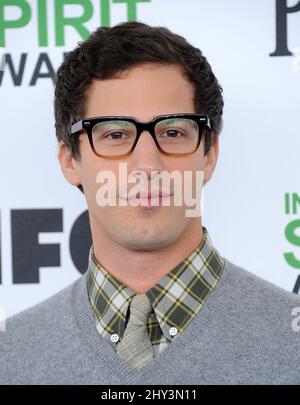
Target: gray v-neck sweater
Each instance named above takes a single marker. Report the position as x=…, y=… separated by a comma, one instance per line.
x=242, y=335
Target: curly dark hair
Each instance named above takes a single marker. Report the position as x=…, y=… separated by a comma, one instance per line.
x=111, y=50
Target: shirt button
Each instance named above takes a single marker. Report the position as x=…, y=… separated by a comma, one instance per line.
x=173, y=331
x=114, y=337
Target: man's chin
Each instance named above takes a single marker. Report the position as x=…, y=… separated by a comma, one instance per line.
x=153, y=237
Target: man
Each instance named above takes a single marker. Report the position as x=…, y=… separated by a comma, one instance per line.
x=158, y=303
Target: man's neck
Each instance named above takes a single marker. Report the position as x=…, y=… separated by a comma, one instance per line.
x=141, y=270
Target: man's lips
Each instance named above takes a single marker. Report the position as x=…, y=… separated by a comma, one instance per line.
x=145, y=195
x=149, y=196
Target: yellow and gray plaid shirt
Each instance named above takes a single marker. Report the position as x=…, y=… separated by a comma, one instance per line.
x=176, y=299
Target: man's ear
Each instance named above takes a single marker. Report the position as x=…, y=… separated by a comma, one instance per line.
x=211, y=159
x=68, y=164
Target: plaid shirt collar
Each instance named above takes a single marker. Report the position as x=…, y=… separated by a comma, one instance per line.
x=176, y=298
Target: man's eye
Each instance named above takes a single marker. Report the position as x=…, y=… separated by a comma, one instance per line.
x=172, y=133
x=115, y=135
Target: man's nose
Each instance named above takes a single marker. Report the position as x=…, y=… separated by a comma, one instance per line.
x=146, y=155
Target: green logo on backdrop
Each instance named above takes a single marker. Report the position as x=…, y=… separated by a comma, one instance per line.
x=60, y=19
x=292, y=206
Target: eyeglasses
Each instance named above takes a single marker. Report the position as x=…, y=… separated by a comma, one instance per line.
x=116, y=136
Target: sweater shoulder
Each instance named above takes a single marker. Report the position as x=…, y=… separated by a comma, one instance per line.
x=262, y=311
x=36, y=333
x=47, y=311
x=255, y=288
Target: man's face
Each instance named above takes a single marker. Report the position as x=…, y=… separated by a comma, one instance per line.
x=143, y=92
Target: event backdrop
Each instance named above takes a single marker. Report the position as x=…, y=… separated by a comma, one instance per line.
x=251, y=206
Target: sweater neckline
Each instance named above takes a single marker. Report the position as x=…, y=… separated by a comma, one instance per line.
x=102, y=356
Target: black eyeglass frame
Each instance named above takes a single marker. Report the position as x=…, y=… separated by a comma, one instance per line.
x=87, y=124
